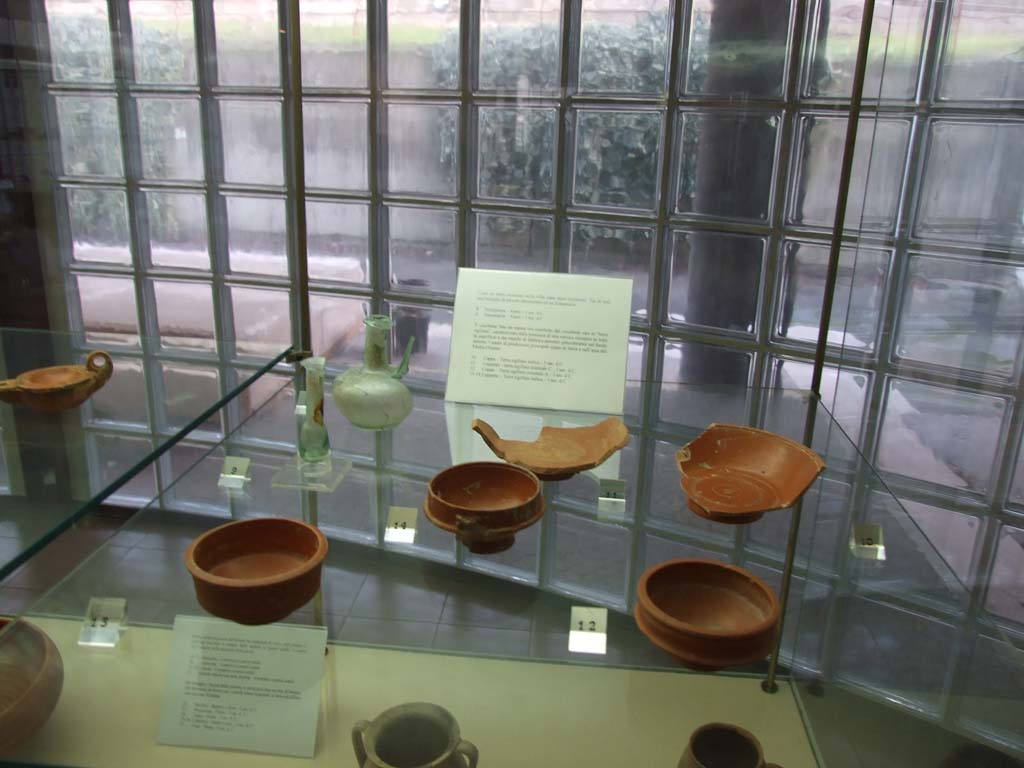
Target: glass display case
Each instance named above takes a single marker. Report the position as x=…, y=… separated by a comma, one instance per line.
x=56, y=466
x=418, y=617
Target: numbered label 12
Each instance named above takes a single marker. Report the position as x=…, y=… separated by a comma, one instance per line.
x=588, y=629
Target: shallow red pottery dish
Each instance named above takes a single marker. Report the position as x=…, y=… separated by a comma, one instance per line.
x=257, y=571
x=709, y=615
x=734, y=474
x=31, y=679
x=484, y=503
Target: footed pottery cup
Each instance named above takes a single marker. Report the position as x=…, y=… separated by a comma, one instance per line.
x=721, y=745
x=417, y=735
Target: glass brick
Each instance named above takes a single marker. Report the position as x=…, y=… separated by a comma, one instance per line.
x=247, y=42
x=591, y=558
x=163, y=41
x=257, y=235
x=703, y=384
x=422, y=248
x=432, y=329
x=857, y=301
x=333, y=44
x=251, y=136
x=963, y=315
x=622, y=50
x=617, y=158
x=625, y=252
x=514, y=242
x=422, y=149
x=172, y=142
x=335, y=144
x=982, y=56
x=716, y=280
x=337, y=241
x=90, y=136
x=184, y=312
x=423, y=44
x=519, y=46
x=262, y=318
x=79, y=40
x=516, y=157
x=188, y=391
x=99, y=225
x=336, y=326
x=1006, y=584
x=122, y=400
x=716, y=149
x=177, y=230
x=109, y=314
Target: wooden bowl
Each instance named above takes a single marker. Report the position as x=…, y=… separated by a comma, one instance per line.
x=709, y=615
x=58, y=387
x=484, y=503
x=558, y=453
x=31, y=678
x=257, y=571
x=733, y=474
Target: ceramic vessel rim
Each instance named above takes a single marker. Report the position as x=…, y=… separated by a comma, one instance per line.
x=41, y=637
x=400, y=710
x=718, y=725
x=502, y=466
x=672, y=622
x=505, y=529
x=313, y=562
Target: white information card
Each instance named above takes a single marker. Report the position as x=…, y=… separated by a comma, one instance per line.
x=540, y=340
x=231, y=686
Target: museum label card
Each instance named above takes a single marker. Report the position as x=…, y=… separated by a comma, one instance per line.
x=231, y=686
x=540, y=340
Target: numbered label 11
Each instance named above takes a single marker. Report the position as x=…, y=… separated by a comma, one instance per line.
x=588, y=630
x=401, y=525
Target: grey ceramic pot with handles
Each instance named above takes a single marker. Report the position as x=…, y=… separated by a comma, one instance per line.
x=722, y=745
x=417, y=735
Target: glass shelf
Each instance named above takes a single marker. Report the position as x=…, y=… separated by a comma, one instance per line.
x=56, y=467
x=858, y=626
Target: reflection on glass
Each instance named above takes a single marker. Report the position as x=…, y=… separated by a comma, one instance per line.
x=897, y=35
x=421, y=248
x=983, y=54
x=514, y=242
x=172, y=144
x=517, y=153
x=737, y=48
x=877, y=172
x=337, y=244
x=617, y=158
x=247, y=47
x=336, y=325
x=251, y=139
x=716, y=149
x=422, y=151
x=423, y=43
x=335, y=144
x=108, y=309
x=262, y=319
x=333, y=43
x=716, y=280
x=257, y=235
x=944, y=436
x=580, y=544
x=964, y=315
x=614, y=252
x=702, y=384
x=99, y=225
x=624, y=47
x=188, y=391
x=177, y=230
x=79, y=39
x=90, y=136
x=432, y=327
x=984, y=158
x=184, y=314
x=857, y=301
x=163, y=41
x=519, y=45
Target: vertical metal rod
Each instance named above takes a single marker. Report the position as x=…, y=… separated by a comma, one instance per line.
x=293, y=45
x=846, y=172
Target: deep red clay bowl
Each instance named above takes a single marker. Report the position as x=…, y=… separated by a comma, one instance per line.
x=709, y=615
x=257, y=571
